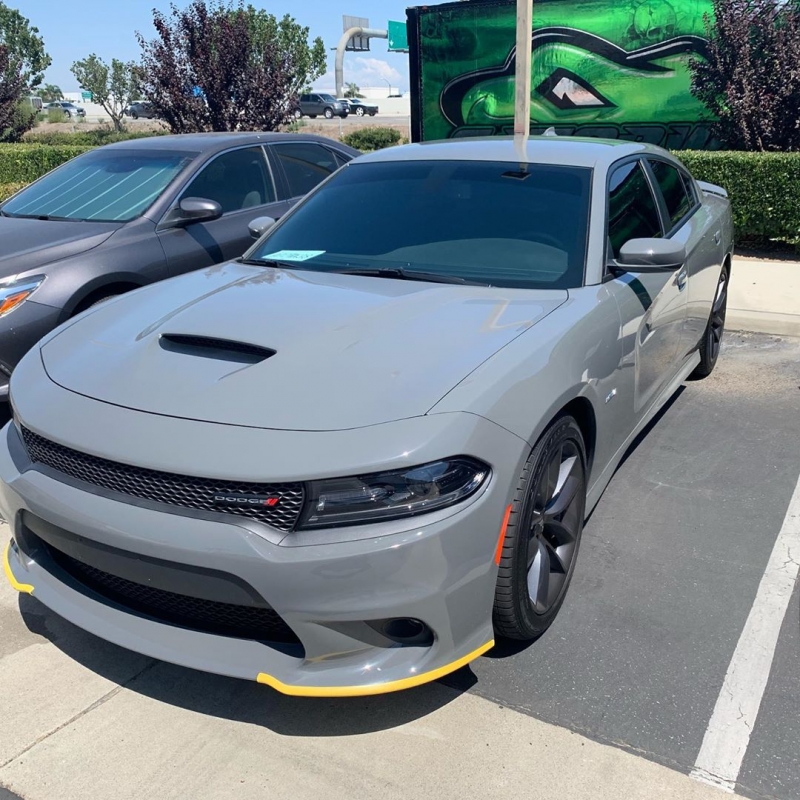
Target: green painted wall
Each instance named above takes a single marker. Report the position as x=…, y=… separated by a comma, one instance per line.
x=600, y=68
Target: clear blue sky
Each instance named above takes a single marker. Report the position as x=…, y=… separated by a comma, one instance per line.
x=72, y=29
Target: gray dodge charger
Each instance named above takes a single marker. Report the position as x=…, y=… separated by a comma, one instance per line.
x=348, y=461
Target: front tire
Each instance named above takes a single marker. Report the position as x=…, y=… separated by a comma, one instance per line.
x=543, y=534
x=712, y=336
x=328, y=113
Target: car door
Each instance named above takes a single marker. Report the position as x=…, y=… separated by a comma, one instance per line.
x=652, y=305
x=241, y=181
x=691, y=223
x=304, y=165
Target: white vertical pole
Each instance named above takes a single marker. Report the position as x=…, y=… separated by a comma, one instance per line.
x=522, y=85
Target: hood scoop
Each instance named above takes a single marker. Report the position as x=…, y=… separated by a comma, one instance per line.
x=218, y=349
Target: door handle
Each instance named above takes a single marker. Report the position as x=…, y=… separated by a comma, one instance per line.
x=717, y=237
x=681, y=278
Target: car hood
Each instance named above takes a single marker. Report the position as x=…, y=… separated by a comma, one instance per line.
x=33, y=243
x=350, y=351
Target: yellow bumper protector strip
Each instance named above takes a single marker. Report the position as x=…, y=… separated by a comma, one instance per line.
x=20, y=587
x=372, y=688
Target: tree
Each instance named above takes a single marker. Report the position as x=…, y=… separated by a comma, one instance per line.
x=50, y=93
x=10, y=87
x=750, y=79
x=353, y=90
x=111, y=87
x=25, y=46
x=225, y=67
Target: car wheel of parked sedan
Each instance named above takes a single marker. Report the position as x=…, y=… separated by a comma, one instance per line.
x=712, y=336
x=134, y=115
x=543, y=532
x=359, y=111
x=298, y=114
x=328, y=113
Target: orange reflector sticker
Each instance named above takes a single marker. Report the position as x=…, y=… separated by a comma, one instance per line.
x=498, y=554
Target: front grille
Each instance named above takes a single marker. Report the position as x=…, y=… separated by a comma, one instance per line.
x=164, y=487
x=209, y=616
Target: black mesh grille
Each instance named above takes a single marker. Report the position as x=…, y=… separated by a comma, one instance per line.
x=164, y=487
x=225, y=619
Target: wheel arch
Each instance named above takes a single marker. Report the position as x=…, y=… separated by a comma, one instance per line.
x=90, y=292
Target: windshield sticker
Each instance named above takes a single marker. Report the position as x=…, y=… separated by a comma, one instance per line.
x=294, y=255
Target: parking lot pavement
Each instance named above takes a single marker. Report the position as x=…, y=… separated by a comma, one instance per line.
x=613, y=701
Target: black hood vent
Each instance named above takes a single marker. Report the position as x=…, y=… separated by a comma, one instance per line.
x=220, y=349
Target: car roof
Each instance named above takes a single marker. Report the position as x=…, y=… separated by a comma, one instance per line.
x=215, y=142
x=570, y=150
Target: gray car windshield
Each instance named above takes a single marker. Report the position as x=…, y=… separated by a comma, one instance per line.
x=481, y=222
x=113, y=185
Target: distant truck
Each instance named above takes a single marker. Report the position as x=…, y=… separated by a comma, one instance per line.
x=34, y=102
x=600, y=68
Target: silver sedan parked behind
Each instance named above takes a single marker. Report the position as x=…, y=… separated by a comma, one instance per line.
x=344, y=464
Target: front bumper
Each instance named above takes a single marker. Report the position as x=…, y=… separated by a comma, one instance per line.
x=438, y=568
x=19, y=332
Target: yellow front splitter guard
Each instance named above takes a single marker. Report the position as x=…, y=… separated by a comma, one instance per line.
x=15, y=584
x=372, y=688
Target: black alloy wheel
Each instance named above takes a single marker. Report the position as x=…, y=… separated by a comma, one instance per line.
x=543, y=533
x=711, y=342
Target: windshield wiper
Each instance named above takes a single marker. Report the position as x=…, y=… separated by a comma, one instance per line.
x=400, y=273
x=269, y=262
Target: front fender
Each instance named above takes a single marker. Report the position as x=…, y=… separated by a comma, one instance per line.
x=574, y=352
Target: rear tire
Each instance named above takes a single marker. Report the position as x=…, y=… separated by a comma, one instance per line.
x=712, y=336
x=543, y=534
x=134, y=115
x=298, y=114
x=359, y=112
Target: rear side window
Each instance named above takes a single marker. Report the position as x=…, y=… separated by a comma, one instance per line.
x=632, y=211
x=305, y=165
x=236, y=180
x=673, y=189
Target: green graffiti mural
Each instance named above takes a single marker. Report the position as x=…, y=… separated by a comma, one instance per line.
x=600, y=68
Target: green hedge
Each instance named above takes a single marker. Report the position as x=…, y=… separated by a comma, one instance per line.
x=7, y=189
x=92, y=138
x=763, y=190
x=23, y=163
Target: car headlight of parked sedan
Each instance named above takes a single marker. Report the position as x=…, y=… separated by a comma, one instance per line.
x=14, y=292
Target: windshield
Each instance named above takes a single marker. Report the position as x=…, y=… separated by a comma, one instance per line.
x=103, y=185
x=484, y=222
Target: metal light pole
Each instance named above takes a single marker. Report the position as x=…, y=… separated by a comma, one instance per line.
x=522, y=81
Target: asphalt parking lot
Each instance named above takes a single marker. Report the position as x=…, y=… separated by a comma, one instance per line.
x=623, y=685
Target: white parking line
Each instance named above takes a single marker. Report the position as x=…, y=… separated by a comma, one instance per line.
x=728, y=733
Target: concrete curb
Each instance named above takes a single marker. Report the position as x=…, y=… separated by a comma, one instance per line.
x=764, y=297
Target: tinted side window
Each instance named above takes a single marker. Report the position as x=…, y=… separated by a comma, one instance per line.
x=673, y=189
x=236, y=180
x=632, y=212
x=305, y=165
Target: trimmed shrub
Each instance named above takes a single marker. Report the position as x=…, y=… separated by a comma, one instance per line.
x=372, y=138
x=90, y=138
x=23, y=163
x=763, y=190
x=7, y=189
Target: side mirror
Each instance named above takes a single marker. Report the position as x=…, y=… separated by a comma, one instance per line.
x=259, y=226
x=651, y=255
x=198, y=209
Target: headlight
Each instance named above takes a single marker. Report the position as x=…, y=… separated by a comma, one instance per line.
x=14, y=293
x=389, y=495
